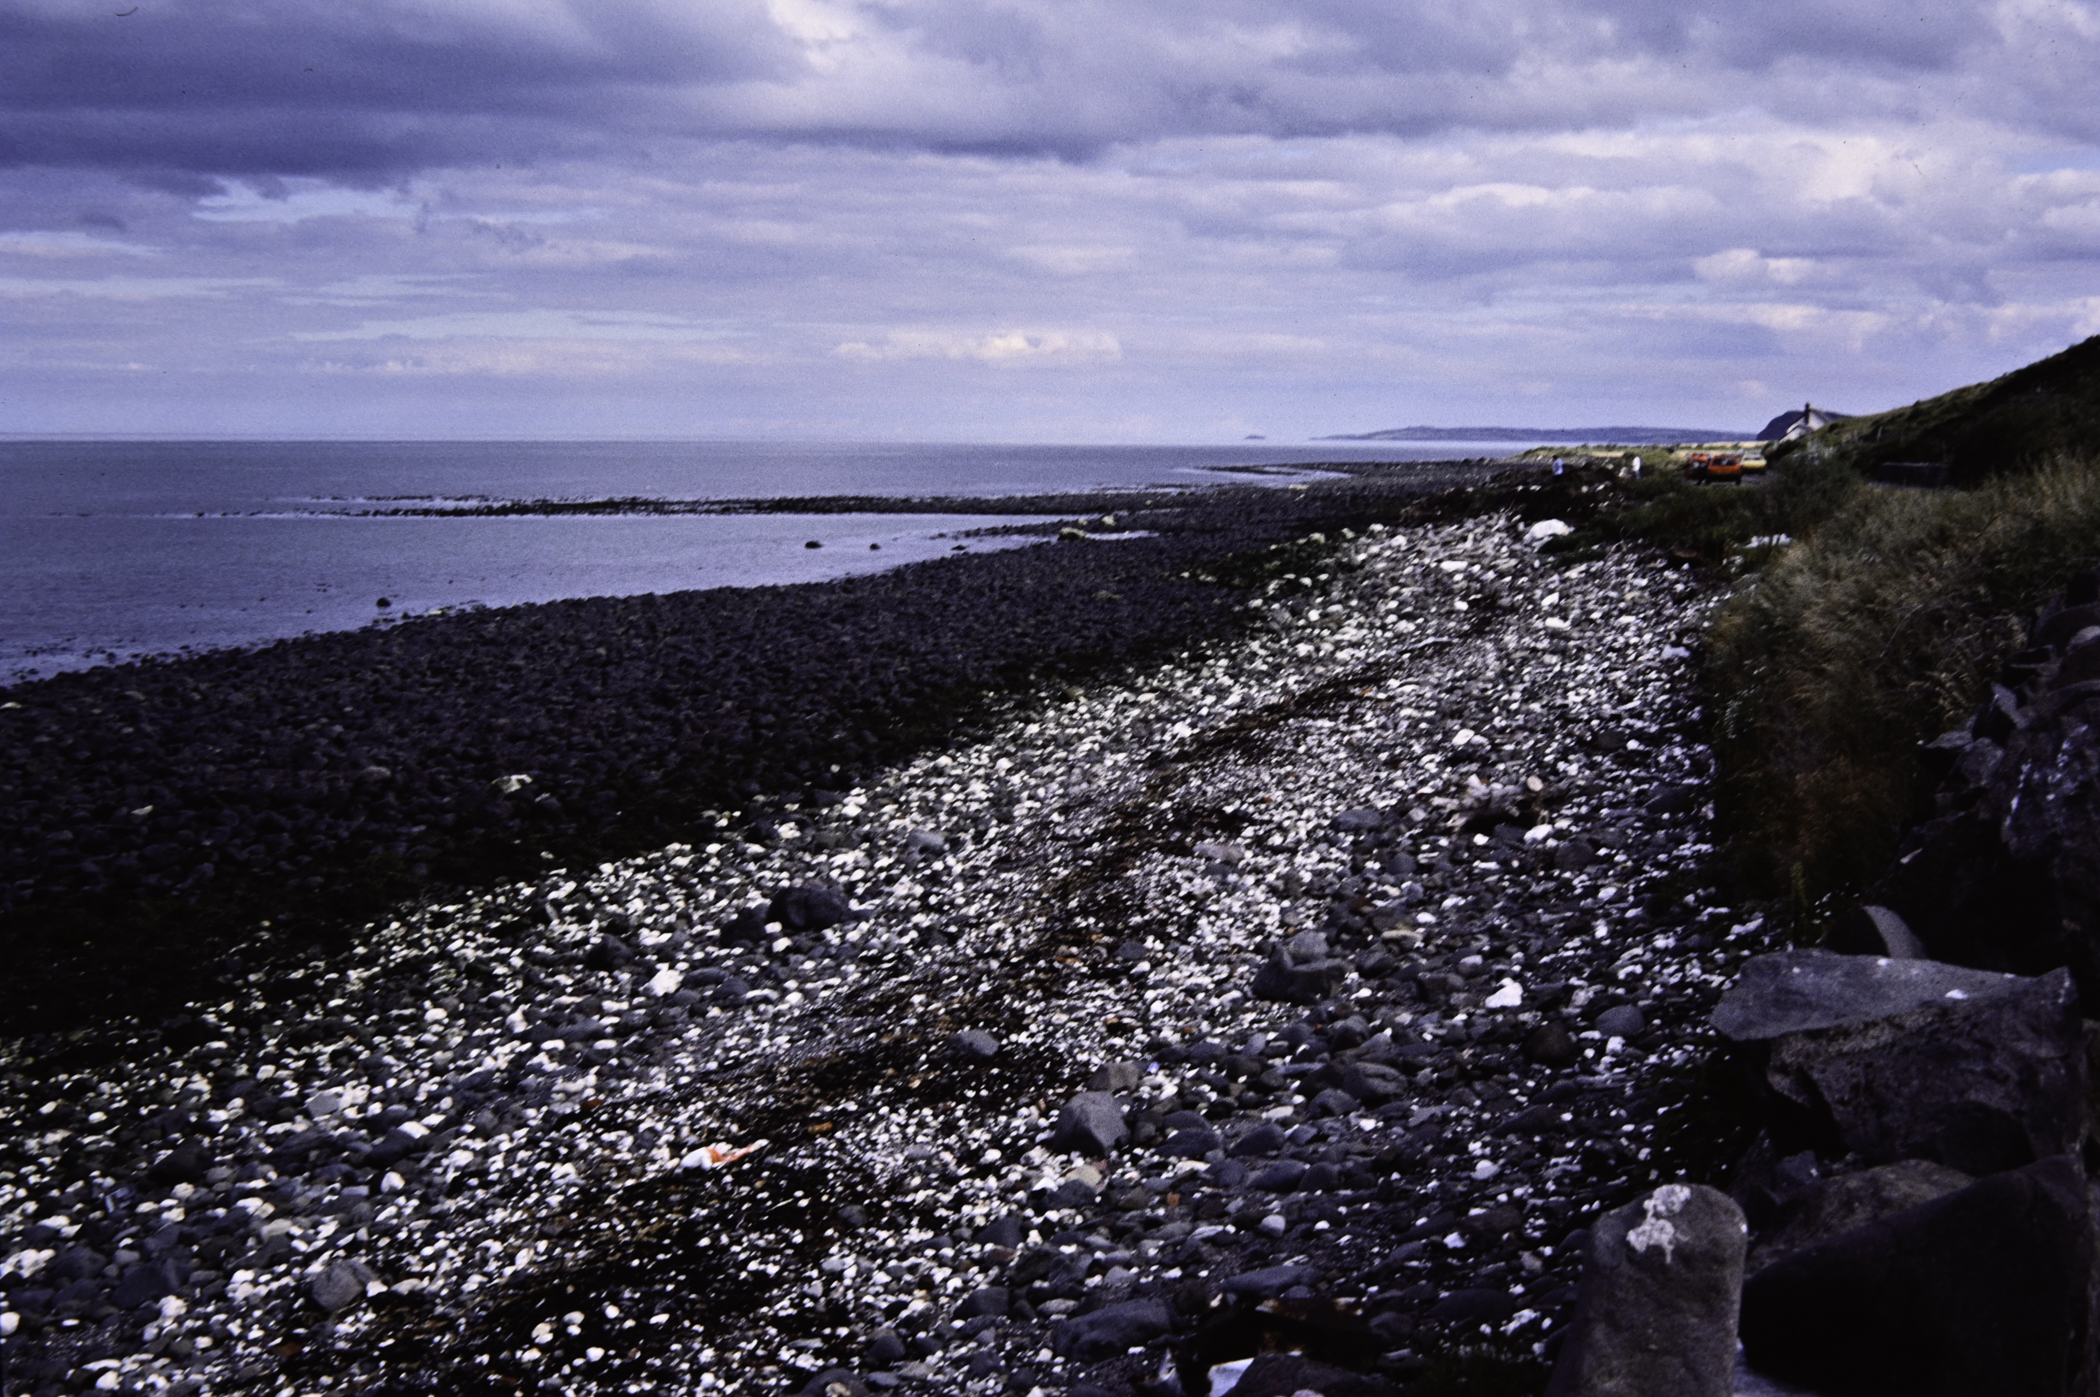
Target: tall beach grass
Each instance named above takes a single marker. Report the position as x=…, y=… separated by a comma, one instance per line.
x=1881, y=627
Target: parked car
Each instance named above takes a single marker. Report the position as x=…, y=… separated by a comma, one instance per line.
x=1707, y=466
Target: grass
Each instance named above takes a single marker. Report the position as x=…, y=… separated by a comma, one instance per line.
x=1882, y=627
x=1718, y=523
x=1865, y=621
x=2028, y=417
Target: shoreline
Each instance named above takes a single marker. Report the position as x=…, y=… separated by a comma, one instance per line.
x=206, y=614
x=311, y=778
x=1109, y=871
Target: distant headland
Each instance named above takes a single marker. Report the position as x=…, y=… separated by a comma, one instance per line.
x=1625, y=436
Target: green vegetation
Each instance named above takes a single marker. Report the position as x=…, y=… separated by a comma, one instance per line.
x=2048, y=409
x=1867, y=620
x=1880, y=629
x=1719, y=523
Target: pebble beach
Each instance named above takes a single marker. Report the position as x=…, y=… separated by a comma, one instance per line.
x=1318, y=980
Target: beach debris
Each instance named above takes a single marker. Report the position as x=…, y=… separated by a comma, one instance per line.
x=720, y=1153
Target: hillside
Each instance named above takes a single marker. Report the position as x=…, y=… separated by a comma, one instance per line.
x=1985, y=429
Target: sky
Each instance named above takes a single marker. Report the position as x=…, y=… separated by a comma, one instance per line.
x=1029, y=220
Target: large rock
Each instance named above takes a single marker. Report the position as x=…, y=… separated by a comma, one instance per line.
x=2007, y=877
x=1373, y=1082
x=1091, y=1123
x=1292, y=1374
x=1833, y=1207
x=1300, y=971
x=1108, y=1332
x=340, y=1284
x=810, y=908
x=1916, y=1059
x=1657, y=1309
x=1270, y=1281
x=1985, y=1292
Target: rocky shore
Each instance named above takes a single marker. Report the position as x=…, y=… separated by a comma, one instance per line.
x=1310, y=989
x=146, y=807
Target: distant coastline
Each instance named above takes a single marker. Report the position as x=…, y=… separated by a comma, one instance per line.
x=1623, y=436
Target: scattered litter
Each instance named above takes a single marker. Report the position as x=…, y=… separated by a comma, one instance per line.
x=720, y=1153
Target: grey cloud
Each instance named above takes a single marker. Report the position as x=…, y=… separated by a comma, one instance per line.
x=350, y=88
x=372, y=89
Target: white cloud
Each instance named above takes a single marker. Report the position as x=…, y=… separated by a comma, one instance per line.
x=129, y=288
x=1011, y=347
x=1742, y=266
x=276, y=202
x=1075, y=259
x=68, y=243
x=568, y=325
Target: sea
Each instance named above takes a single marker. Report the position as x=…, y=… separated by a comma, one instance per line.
x=112, y=551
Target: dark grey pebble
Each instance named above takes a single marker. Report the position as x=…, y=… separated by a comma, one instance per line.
x=810, y=908
x=1091, y=1123
x=1552, y=1045
x=1470, y=1307
x=1072, y=1193
x=1267, y=1138
x=993, y=1300
x=1270, y=1281
x=1191, y=1144
x=1005, y=1231
x=1335, y=1102
x=973, y=1045
x=1281, y=1177
x=1108, y=1332
x=1623, y=1022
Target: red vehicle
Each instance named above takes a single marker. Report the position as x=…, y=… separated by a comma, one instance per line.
x=1714, y=465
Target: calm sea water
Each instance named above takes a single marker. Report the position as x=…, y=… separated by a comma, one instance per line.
x=114, y=550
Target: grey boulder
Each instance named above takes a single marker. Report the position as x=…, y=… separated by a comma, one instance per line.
x=1915, y=1059
x=1109, y=1331
x=1656, y=1312
x=1836, y=1206
x=973, y=1045
x=340, y=1284
x=1373, y=1082
x=1300, y=971
x=1983, y=1291
x=1091, y=1123
x=808, y=907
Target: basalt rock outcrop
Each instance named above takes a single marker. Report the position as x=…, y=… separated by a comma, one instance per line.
x=2006, y=876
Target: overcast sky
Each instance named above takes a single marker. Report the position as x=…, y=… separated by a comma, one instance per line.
x=1047, y=220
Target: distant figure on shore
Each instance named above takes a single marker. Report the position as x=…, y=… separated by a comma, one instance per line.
x=1636, y=468
x=1558, y=468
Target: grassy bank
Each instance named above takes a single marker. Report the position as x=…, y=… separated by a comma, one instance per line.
x=1865, y=621
x=2008, y=425
x=1880, y=629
